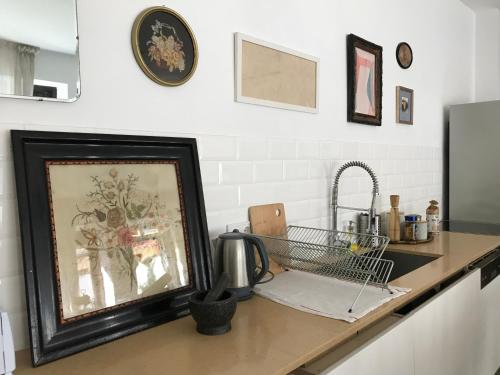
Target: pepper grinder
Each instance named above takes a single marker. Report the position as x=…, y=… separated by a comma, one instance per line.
x=394, y=225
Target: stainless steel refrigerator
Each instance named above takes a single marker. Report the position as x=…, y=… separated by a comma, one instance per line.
x=474, y=165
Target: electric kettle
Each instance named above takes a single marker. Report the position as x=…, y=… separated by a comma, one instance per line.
x=234, y=254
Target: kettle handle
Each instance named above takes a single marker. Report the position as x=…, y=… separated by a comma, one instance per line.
x=264, y=260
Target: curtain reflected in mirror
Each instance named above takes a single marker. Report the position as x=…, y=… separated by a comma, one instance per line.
x=39, y=49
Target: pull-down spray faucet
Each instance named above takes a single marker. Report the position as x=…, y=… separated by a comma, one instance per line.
x=335, y=193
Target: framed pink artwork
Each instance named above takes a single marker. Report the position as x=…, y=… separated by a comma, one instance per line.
x=364, y=81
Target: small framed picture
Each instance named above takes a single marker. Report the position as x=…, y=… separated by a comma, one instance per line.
x=404, y=55
x=404, y=105
x=364, y=81
x=164, y=46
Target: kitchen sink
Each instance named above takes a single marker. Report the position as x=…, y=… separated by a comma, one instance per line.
x=405, y=262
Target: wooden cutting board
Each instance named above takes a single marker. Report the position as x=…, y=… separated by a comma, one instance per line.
x=268, y=220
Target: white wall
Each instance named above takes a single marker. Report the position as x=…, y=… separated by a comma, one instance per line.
x=253, y=154
x=487, y=54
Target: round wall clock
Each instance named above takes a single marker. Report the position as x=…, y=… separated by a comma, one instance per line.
x=164, y=46
x=404, y=55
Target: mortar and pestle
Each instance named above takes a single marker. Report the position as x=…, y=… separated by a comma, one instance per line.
x=213, y=310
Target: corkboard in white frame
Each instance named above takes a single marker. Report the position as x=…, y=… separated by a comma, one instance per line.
x=275, y=76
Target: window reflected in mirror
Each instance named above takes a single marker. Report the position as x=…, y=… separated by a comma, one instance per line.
x=39, y=49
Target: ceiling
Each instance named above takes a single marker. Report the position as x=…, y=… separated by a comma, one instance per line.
x=48, y=24
x=482, y=4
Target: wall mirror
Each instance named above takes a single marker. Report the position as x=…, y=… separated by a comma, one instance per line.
x=39, y=50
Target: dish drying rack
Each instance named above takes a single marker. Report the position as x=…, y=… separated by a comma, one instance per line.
x=347, y=256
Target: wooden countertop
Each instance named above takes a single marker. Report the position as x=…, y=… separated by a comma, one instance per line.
x=267, y=338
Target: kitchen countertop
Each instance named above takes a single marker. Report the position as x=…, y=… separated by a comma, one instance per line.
x=267, y=338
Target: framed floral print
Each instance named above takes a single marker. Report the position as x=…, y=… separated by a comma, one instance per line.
x=364, y=81
x=164, y=46
x=114, y=235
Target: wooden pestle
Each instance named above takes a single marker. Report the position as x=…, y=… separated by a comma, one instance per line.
x=394, y=225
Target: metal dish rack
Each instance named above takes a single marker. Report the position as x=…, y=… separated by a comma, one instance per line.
x=348, y=256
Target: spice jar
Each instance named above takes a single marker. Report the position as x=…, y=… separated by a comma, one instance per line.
x=410, y=226
x=432, y=215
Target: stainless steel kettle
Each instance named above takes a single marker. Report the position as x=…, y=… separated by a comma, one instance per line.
x=234, y=254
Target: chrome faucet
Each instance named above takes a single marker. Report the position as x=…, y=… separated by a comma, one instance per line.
x=335, y=195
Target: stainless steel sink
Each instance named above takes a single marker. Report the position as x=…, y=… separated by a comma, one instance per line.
x=405, y=262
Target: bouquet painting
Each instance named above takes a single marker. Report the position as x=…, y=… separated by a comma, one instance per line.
x=165, y=47
x=124, y=239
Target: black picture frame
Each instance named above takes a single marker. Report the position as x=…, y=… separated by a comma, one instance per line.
x=50, y=339
x=354, y=42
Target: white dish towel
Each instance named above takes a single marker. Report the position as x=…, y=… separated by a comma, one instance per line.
x=325, y=296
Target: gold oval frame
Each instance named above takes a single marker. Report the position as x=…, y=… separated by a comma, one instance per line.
x=137, y=54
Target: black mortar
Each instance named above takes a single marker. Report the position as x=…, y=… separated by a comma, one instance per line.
x=213, y=318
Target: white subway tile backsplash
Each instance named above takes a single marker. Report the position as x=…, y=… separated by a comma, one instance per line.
x=218, y=220
x=252, y=149
x=312, y=223
x=214, y=147
x=307, y=150
x=330, y=150
x=19, y=329
x=321, y=169
x=297, y=210
x=379, y=151
x=239, y=172
x=9, y=220
x=319, y=207
x=366, y=151
x=350, y=151
x=261, y=193
x=282, y=149
x=210, y=172
x=12, y=294
x=221, y=197
x=5, y=139
x=10, y=256
x=268, y=171
x=296, y=169
x=236, y=172
x=7, y=181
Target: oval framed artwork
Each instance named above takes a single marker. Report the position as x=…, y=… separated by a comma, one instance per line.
x=404, y=55
x=164, y=46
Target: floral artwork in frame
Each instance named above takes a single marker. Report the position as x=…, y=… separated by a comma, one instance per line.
x=164, y=46
x=114, y=235
x=364, y=81
x=119, y=233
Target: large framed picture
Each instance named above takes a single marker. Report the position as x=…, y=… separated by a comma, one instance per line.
x=364, y=81
x=404, y=105
x=114, y=235
x=275, y=76
x=164, y=46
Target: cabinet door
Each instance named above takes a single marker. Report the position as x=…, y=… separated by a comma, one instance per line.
x=388, y=354
x=490, y=328
x=446, y=330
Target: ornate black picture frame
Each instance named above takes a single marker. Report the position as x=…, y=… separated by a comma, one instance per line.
x=127, y=221
x=364, y=81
